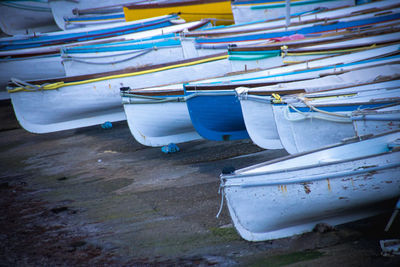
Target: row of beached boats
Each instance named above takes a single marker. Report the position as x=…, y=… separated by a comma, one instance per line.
x=22, y=17
x=324, y=87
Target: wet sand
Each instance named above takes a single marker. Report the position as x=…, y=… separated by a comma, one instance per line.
x=96, y=197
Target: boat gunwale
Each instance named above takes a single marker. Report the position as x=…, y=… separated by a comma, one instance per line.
x=240, y=173
x=345, y=36
x=104, y=40
x=302, y=90
x=234, y=85
x=172, y=4
x=141, y=92
x=98, y=36
x=123, y=71
x=389, y=101
x=314, y=178
x=341, y=26
x=221, y=33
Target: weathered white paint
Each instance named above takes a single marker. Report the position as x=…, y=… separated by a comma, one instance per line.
x=299, y=133
x=158, y=124
x=35, y=16
x=258, y=114
x=289, y=196
x=244, y=13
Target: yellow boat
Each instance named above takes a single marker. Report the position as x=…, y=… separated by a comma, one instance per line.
x=191, y=10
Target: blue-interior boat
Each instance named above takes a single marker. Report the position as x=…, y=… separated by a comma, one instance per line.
x=216, y=116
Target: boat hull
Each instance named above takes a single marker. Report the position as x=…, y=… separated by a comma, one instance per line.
x=97, y=101
x=68, y=107
x=62, y=9
x=160, y=124
x=289, y=201
x=22, y=17
x=41, y=67
x=89, y=63
x=259, y=116
x=139, y=35
x=294, y=141
x=218, y=10
x=157, y=53
x=260, y=124
x=299, y=133
x=217, y=117
x=244, y=13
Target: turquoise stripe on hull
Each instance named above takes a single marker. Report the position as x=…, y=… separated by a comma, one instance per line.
x=58, y=38
x=85, y=38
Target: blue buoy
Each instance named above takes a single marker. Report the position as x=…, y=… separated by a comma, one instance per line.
x=106, y=125
x=170, y=148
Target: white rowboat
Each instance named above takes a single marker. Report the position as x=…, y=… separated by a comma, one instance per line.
x=333, y=185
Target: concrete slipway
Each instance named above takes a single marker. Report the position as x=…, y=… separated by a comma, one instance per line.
x=96, y=197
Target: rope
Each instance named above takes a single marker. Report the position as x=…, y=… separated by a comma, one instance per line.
x=151, y=99
x=323, y=111
x=28, y=86
x=222, y=193
x=60, y=84
x=75, y=59
x=276, y=98
x=334, y=116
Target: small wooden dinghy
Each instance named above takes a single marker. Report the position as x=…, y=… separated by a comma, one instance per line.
x=190, y=10
x=333, y=185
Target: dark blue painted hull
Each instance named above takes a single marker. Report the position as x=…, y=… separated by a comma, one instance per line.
x=218, y=117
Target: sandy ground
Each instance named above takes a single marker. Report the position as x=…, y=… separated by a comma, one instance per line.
x=96, y=197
